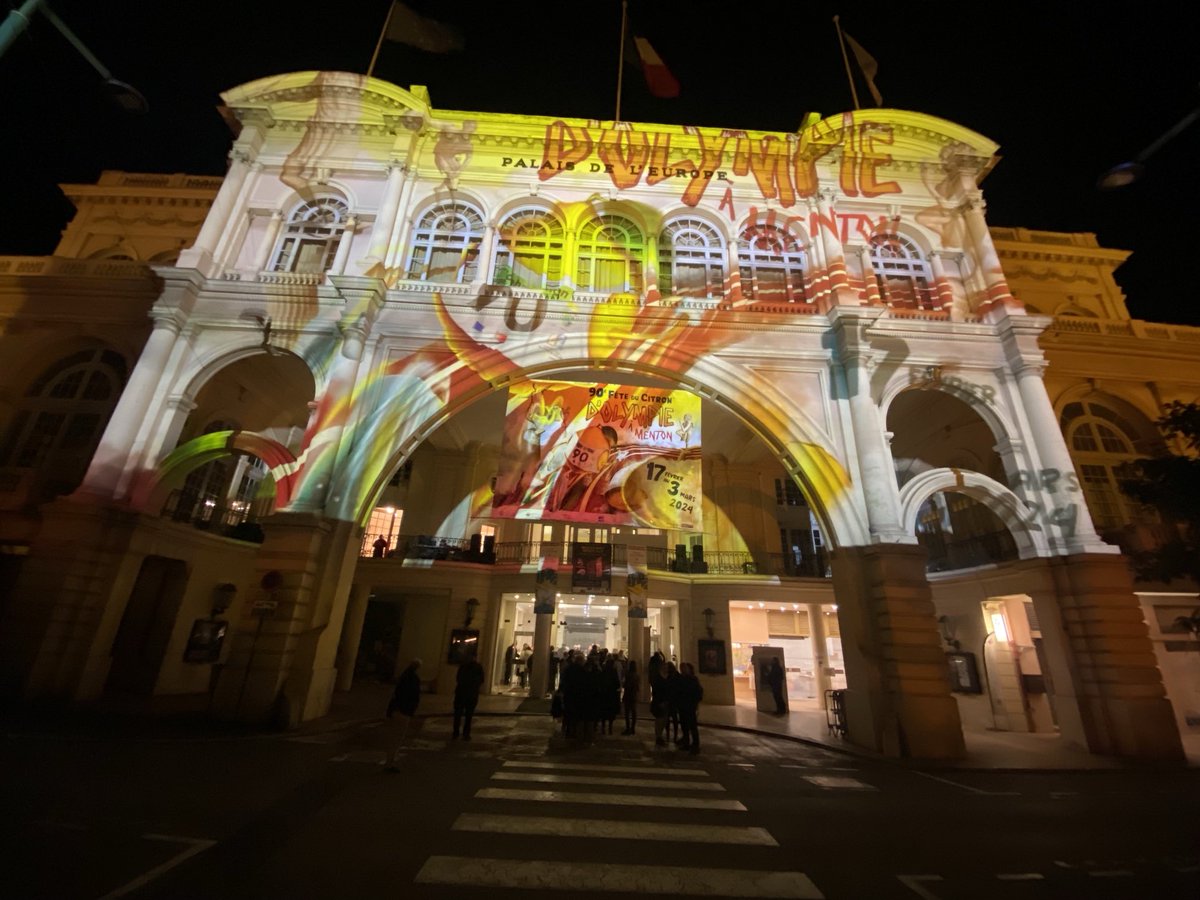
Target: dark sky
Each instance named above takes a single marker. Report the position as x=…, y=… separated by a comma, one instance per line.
x=1065, y=89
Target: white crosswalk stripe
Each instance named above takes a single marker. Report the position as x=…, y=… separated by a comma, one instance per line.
x=837, y=782
x=631, y=770
x=609, y=828
x=611, y=799
x=659, y=880
x=551, y=778
x=662, y=789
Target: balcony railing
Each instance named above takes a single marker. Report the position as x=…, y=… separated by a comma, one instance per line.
x=233, y=519
x=530, y=553
x=968, y=552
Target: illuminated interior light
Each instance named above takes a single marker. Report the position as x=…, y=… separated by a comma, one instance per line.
x=999, y=627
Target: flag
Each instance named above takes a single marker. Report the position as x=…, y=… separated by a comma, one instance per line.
x=867, y=63
x=658, y=77
x=407, y=26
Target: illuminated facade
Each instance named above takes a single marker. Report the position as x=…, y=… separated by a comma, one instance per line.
x=306, y=433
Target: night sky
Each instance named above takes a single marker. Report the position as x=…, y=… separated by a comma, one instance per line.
x=1066, y=90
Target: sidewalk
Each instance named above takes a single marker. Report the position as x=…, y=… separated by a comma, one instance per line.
x=989, y=750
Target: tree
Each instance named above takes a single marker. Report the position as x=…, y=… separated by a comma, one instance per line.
x=1171, y=484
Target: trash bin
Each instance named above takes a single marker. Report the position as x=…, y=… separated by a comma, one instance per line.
x=835, y=712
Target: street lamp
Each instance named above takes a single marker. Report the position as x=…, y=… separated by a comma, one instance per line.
x=709, y=615
x=125, y=96
x=1128, y=172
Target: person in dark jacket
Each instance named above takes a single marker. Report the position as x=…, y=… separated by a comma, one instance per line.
x=611, y=702
x=662, y=689
x=466, y=695
x=403, y=706
x=688, y=694
x=775, y=680
x=633, y=687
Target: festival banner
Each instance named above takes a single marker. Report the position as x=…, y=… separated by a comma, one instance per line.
x=637, y=580
x=605, y=454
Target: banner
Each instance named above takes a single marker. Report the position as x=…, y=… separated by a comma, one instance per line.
x=591, y=567
x=545, y=592
x=605, y=454
x=636, y=581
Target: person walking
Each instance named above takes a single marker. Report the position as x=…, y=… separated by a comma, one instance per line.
x=403, y=707
x=688, y=694
x=775, y=680
x=466, y=695
x=633, y=687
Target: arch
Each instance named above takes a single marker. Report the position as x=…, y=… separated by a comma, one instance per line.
x=310, y=234
x=418, y=409
x=530, y=249
x=611, y=253
x=1018, y=518
x=444, y=242
x=996, y=419
x=205, y=365
x=773, y=259
x=722, y=225
x=692, y=257
x=183, y=459
x=902, y=271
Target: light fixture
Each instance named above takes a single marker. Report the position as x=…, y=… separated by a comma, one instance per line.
x=472, y=605
x=1127, y=173
x=999, y=626
x=708, y=620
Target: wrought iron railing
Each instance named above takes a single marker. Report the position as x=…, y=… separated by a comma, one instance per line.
x=526, y=553
x=234, y=519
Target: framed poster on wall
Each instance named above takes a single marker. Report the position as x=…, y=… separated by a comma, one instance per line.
x=711, y=654
x=464, y=645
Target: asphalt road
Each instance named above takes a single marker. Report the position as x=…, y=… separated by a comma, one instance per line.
x=519, y=811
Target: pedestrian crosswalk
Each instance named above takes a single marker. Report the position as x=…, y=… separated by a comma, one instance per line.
x=675, y=808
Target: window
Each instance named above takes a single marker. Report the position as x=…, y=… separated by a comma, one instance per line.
x=959, y=532
x=772, y=264
x=311, y=236
x=902, y=272
x=787, y=493
x=445, y=244
x=59, y=422
x=691, y=258
x=611, y=254
x=529, y=251
x=1101, y=440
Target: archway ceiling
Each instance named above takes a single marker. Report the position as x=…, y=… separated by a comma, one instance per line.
x=723, y=433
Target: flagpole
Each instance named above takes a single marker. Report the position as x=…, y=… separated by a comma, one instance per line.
x=846, y=59
x=383, y=33
x=621, y=59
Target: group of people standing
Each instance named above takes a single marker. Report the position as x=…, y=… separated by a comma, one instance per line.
x=593, y=689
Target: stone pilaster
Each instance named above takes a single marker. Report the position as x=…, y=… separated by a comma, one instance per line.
x=1108, y=690
x=899, y=702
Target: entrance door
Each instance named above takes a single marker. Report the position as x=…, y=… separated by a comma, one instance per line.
x=145, y=629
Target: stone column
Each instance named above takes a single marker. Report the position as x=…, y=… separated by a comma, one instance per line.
x=984, y=251
x=385, y=219
x=941, y=283
x=878, y=484
x=104, y=475
x=1108, y=691
x=270, y=238
x=541, y=654
x=356, y=614
x=343, y=250
x=816, y=629
x=1063, y=509
x=483, y=259
x=835, y=256
x=200, y=254
x=898, y=701
x=870, y=281
x=281, y=663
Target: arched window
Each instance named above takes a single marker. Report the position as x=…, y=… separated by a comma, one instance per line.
x=1101, y=440
x=772, y=264
x=61, y=418
x=691, y=259
x=529, y=251
x=310, y=238
x=445, y=244
x=902, y=272
x=611, y=255
x=959, y=532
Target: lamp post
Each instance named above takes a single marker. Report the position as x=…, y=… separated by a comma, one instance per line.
x=709, y=615
x=127, y=97
x=1128, y=172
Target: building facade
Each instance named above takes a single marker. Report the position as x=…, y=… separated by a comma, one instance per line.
x=255, y=439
